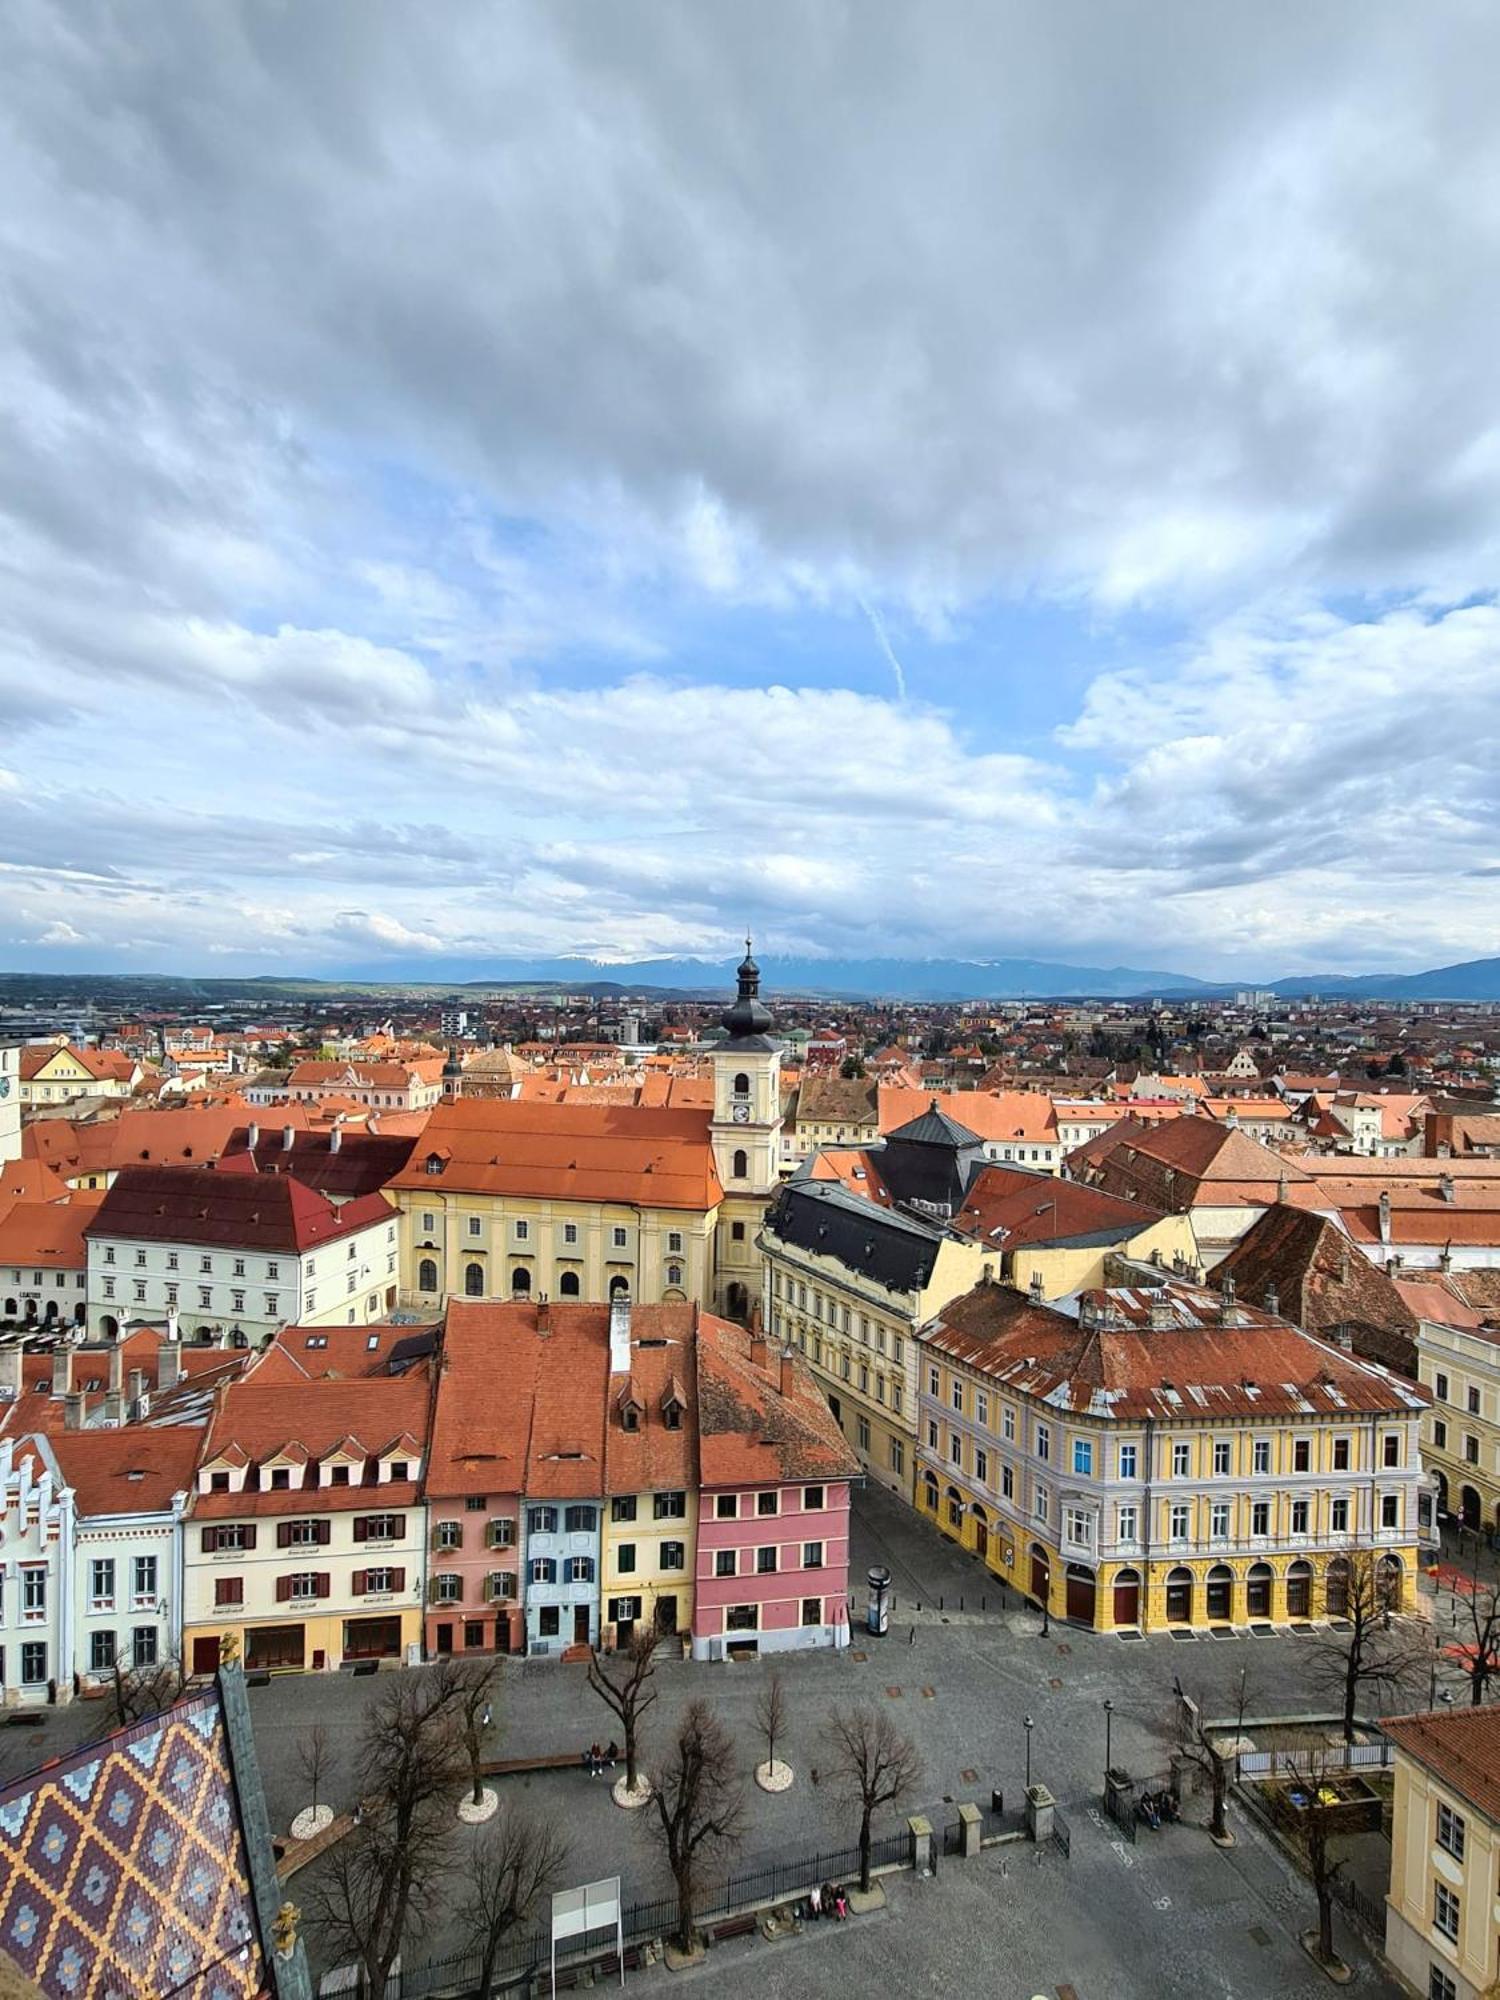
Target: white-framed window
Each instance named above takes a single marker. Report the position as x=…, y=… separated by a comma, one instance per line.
x=1260, y=1455
x=1127, y=1522
x=619, y=1238
x=1299, y=1517
x=1390, y=1510
x=476, y=1225
x=1178, y=1522
x=1338, y=1516
x=1260, y=1518
x=143, y=1579
x=1218, y=1521
x=1083, y=1457
x=981, y=1465
x=102, y=1583
x=1221, y=1458
x=1450, y=1830
x=1007, y=1420
x=1128, y=1461
x=981, y=1409
x=1043, y=1441
x=1445, y=1910
x=523, y=1231
x=1078, y=1527
x=1182, y=1460
x=33, y=1592
x=1040, y=1503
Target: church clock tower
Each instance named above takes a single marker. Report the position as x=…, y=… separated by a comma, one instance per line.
x=746, y=1133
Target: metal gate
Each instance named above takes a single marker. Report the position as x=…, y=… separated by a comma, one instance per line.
x=1062, y=1834
x=1119, y=1807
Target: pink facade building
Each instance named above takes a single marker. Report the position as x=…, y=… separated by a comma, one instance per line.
x=773, y=1503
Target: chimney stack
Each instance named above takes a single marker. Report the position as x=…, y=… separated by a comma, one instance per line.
x=757, y=1349
x=1226, y=1304
x=1344, y=1261
x=252, y=1137
x=336, y=1136
x=168, y=1365
x=1385, y=1216
x=116, y=1368
x=288, y=1137
x=73, y=1410
x=137, y=1384
x=1445, y=1260
x=1446, y=1190
x=785, y=1376
x=10, y=1369
x=1273, y=1299
x=619, y=1336
x=1036, y=1288
x=543, y=1313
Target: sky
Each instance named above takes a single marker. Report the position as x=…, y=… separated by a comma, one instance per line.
x=953, y=481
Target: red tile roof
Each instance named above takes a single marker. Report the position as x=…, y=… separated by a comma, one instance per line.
x=234, y=1210
x=1460, y=1747
x=1105, y=1353
x=47, y=1235
x=1008, y=1210
x=320, y=1417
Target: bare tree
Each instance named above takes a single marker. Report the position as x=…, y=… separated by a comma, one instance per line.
x=1370, y=1655
x=137, y=1692
x=1309, y=1824
x=314, y=1755
x=699, y=1806
x=771, y=1717
x=622, y=1681
x=1476, y=1650
x=874, y=1765
x=515, y=1862
x=476, y=1706
x=372, y=1895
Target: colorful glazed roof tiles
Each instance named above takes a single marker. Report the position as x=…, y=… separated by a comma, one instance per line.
x=126, y=1870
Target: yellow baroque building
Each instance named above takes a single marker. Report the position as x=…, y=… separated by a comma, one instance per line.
x=1157, y=1455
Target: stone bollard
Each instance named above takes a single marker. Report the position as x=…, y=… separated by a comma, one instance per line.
x=920, y=1832
x=1040, y=1805
x=970, y=1830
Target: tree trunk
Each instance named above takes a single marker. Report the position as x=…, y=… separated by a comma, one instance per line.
x=1325, y=1923
x=630, y=1754
x=1351, y=1689
x=1220, y=1798
x=864, y=1852
x=685, y=1912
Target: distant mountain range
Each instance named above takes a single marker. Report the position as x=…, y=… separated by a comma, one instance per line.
x=941, y=979
x=936, y=979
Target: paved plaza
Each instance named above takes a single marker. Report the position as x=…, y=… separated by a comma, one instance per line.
x=1170, y=1915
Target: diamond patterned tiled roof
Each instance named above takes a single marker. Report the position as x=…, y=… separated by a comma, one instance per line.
x=123, y=1869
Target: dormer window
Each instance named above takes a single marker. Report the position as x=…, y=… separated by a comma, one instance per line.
x=218, y=1482
x=630, y=1417
x=434, y=1163
x=281, y=1478
x=338, y=1475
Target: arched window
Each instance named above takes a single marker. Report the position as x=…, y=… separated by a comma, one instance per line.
x=10, y=1308
x=741, y=1166
x=930, y=1490
x=619, y=1288
x=109, y=1326
x=674, y=1274
x=742, y=1085
x=520, y=1281
x=474, y=1281
x=427, y=1275
x=567, y=1285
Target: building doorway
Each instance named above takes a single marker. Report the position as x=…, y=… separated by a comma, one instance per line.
x=1220, y=1593
x=580, y=1624
x=1470, y=1509
x=981, y=1534
x=1258, y=1590
x=666, y=1614
x=1041, y=1574
x=1180, y=1597
x=273, y=1646
x=1336, y=1588
x=1082, y=1594
x=1128, y=1597
x=372, y=1638
x=206, y=1654
x=1299, y=1590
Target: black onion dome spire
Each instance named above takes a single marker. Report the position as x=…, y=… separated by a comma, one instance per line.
x=749, y=1014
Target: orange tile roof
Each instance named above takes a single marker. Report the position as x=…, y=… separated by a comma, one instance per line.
x=320, y=1416
x=1008, y=1210
x=749, y=1434
x=134, y=1469
x=648, y=1158
x=995, y=1116
x=46, y=1234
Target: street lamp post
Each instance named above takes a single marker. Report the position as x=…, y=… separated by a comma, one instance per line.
x=1109, y=1761
x=1028, y=1725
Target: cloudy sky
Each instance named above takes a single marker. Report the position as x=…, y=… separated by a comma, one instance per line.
x=943, y=480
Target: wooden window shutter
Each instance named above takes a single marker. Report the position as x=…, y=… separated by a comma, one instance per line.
x=210, y=1540
x=249, y=1541
x=283, y=1534
x=398, y=1579
x=283, y=1589
x=325, y=1533
x=361, y=1528
x=325, y=1584
x=398, y=1527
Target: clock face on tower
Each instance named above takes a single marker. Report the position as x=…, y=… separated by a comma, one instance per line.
x=741, y=1114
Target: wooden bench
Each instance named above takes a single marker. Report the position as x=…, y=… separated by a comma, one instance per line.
x=570, y=1976
x=509, y=1767
x=732, y=1927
